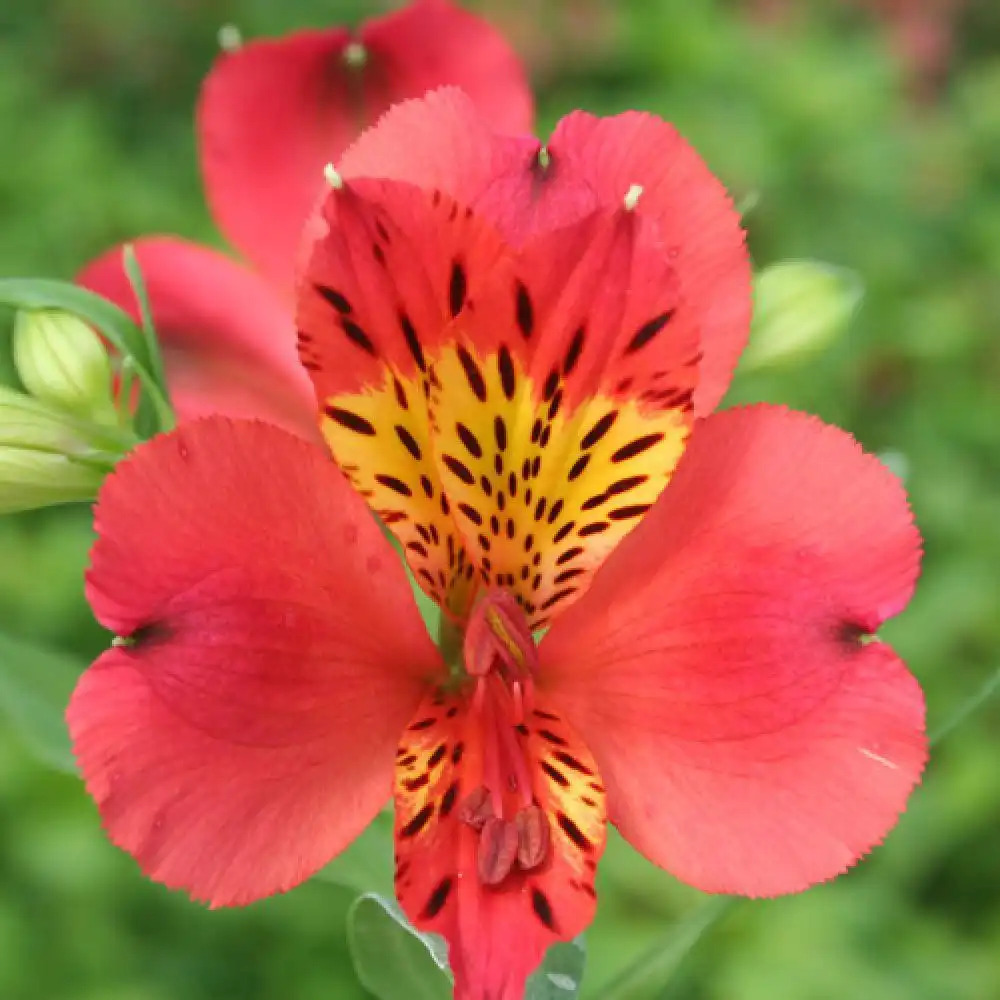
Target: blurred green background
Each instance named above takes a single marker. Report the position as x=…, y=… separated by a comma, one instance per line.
x=851, y=149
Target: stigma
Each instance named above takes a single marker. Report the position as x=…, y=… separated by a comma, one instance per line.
x=500, y=656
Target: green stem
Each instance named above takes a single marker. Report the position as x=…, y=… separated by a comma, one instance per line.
x=653, y=968
x=966, y=709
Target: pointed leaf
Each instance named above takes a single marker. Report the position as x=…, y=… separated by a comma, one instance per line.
x=35, y=684
x=115, y=325
x=392, y=959
x=561, y=974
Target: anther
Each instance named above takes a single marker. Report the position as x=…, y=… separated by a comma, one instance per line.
x=544, y=159
x=532, y=837
x=332, y=177
x=355, y=55
x=498, y=850
x=476, y=808
x=632, y=197
x=230, y=39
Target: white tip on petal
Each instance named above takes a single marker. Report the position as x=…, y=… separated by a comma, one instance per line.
x=332, y=177
x=230, y=38
x=632, y=197
x=355, y=55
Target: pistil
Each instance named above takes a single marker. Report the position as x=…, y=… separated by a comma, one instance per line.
x=500, y=654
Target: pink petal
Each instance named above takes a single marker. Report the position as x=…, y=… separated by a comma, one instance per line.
x=246, y=734
x=751, y=742
x=443, y=143
x=228, y=341
x=696, y=219
x=274, y=112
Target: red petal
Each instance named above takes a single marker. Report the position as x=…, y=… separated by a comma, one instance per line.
x=246, y=735
x=374, y=308
x=441, y=142
x=497, y=934
x=696, y=218
x=227, y=340
x=274, y=112
x=550, y=467
x=749, y=740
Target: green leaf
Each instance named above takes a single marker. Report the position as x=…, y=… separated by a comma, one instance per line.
x=134, y=274
x=647, y=976
x=367, y=864
x=116, y=325
x=35, y=685
x=560, y=975
x=391, y=958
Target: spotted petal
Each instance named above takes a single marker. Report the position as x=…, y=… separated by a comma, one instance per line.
x=510, y=412
x=753, y=734
x=275, y=111
x=228, y=341
x=441, y=143
x=497, y=934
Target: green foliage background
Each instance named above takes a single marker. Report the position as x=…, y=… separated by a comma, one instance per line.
x=812, y=118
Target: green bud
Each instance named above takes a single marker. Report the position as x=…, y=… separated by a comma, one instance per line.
x=49, y=456
x=800, y=307
x=62, y=361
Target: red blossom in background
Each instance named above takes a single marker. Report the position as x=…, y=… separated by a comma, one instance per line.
x=517, y=352
x=270, y=116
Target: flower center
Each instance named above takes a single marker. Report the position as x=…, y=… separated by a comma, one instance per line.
x=500, y=654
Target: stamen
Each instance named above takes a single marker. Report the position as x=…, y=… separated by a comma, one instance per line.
x=230, y=38
x=355, y=55
x=476, y=808
x=332, y=177
x=632, y=197
x=498, y=848
x=544, y=159
x=533, y=836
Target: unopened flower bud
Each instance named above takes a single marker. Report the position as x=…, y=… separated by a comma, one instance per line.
x=49, y=456
x=800, y=307
x=62, y=361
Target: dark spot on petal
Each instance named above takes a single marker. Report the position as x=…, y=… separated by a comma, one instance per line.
x=456, y=753
x=558, y=596
x=358, y=336
x=543, y=908
x=394, y=484
x=456, y=288
x=412, y=341
x=505, y=367
x=570, y=761
x=599, y=430
x=349, y=420
x=551, y=384
x=636, y=447
x=554, y=738
x=427, y=486
x=418, y=822
x=569, y=554
x=423, y=724
x=448, y=799
x=437, y=899
x=594, y=528
x=470, y=440
x=573, y=831
x=573, y=353
x=555, y=774
x=578, y=466
x=472, y=373
x=648, y=331
x=500, y=432
x=563, y=532
x=459, y=469
x=412, y=784
x=471, y=513
x=523, y=310
x=409, y=442
x=338, y=301
x=624, y=513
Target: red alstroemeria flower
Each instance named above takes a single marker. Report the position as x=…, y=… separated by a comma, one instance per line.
x=270, y=115
x=512, y=364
